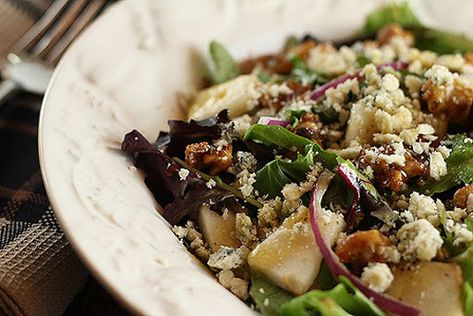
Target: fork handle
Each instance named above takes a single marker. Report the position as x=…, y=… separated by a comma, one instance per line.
x=8, y=88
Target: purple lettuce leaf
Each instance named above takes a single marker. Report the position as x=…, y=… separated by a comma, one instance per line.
x=182, y=133
x=180, y=199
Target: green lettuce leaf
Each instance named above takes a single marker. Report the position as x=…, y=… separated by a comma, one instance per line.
x=459, y=166
x=399, y=13
x=267, y=296
x=225, y=67
x=278, y=136
x=425, y=38
x=302, y=73
x=276, y=174
x=467, y=298
x=343, y=300
x=441, y=42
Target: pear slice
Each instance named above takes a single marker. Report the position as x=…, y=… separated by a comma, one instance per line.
x=289, y=257
x=218, y=230
x=234, y=95
x=433, y=287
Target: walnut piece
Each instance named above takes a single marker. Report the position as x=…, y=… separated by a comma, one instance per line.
x=203, y=156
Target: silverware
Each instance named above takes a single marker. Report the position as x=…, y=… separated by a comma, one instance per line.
x=29, y=66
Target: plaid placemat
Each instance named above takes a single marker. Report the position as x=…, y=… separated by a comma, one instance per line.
x=39, y=272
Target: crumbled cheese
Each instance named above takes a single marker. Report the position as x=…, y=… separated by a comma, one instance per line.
x=211, y=183
x=407, y=216
x=422, y=206
x=246, y=181
x=197, y=244
x=237, y=286
x=413, y=84
x=461, y=234
x=180, y=231
x=437, y=165
x=326, y=59
x=276, y=89
x=445, y=151
x=225, y=258
x=245, y=160
x=386, y=138
x=452, y=62
x=291, y=192
x=398, y=157
x=425, y=129
x=241, y=124
x=183, y=173
x=389, y=83
x=439, y=75
x=418, y=240
x=245, y=230
x=390, y=123
x=339, y=94
x=377, y=276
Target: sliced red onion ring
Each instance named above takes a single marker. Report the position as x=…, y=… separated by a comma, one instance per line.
x=336, y=267
x=267, y=120
x=351, y=179
x=320, y=91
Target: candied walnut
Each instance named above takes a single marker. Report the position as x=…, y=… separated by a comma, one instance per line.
x=363, y=247
x=394, y=176
x=273, y=63
x=468, y=58
x=460, y=198
x=388, y=32
x=455, y=101
x=277, y=102
x=302, y=50
x=309, y=127
x=204, y=156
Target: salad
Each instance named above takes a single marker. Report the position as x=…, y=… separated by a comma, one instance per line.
x=329, y=178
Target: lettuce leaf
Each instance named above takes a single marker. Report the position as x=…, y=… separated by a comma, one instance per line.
x=343, y=300
x=278, y=136
x=267, y=296
x=399, y=13
x=182, y=133
x=225, y=67
x=425, y=38
x=441, y=42
x=467, y=298
x=459, y=166
x=303, y=74
x=179, y=198
x=276, y=174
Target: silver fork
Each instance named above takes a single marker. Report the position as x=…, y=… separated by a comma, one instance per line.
x=30, y=64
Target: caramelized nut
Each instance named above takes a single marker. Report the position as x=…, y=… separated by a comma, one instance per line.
x=211, y=158
x=460, y=198
x=456, y=103
x=388, y=32
x=363, y=247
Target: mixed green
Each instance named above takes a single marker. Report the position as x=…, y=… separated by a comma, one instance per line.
x=329, y=178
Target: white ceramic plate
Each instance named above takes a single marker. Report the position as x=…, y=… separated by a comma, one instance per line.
x=124, y=73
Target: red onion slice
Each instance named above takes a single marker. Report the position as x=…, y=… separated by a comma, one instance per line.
x=351, y=179
x=320, y=91
x=267, y=120
x=336, y=267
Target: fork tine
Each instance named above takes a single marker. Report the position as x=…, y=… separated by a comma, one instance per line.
x=39, y=28
x=54, y=34
x=81, y=22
